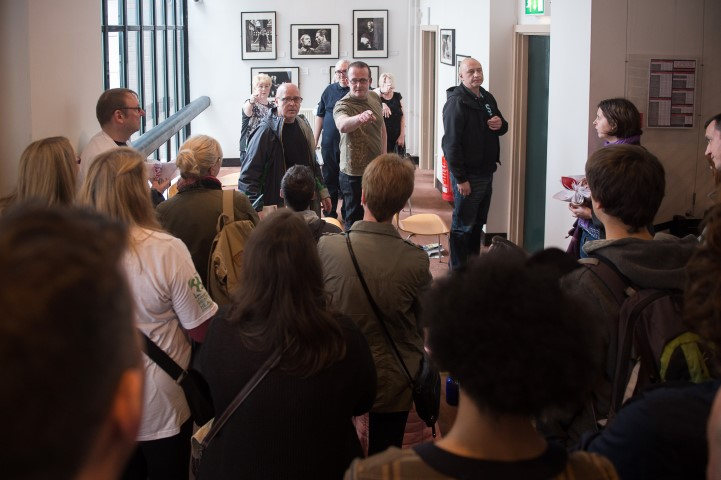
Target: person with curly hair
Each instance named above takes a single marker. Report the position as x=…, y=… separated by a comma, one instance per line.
x=492, y=328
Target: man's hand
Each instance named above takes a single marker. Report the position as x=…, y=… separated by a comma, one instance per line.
x=495, y=123
x=464, y=188
x=579, y=211
x=160, y=185
x=326, y=203
x=366, y=117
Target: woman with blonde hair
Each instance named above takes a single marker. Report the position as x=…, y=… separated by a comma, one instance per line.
x=393, y=115
x=192, y=214
x=255, y=109
x=47, y=172
x=170, y=305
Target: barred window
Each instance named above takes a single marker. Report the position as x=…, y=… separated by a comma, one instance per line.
x=145, y=50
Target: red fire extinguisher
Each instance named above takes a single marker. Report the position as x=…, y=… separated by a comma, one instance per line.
x=446, y=189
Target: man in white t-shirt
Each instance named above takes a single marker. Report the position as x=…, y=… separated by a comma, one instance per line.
x=119, y=113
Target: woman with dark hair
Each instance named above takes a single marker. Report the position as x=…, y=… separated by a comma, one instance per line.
x=618, y=121
x=297, y=422
x=513, y=339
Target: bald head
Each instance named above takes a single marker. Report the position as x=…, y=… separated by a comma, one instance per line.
x=288, y=100
x=471, y=74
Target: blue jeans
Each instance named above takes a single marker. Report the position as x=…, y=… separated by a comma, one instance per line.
x=469, y=215
x=350, y=186
x=331, y=171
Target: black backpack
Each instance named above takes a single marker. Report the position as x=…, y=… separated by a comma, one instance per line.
x=654, y=344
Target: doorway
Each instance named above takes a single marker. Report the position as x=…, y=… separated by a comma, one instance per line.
x=427, y=110
x=530, y=136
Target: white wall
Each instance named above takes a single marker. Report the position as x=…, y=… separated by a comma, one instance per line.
x=601, y=50
x=218, y=71
x=568, y=96
x=484, y=30
x=50, y=75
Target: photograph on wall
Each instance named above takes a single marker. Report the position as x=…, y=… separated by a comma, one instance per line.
x=278, y=75
x=370, y=33
x=459, y=59
x=448, y=46
x=258, y=32
x=375, y=73
x=314, y=41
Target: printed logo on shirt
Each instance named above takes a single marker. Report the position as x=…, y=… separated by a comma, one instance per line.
x=201, y=295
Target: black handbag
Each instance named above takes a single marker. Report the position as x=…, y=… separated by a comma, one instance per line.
x=195, y=388
x=426, y=387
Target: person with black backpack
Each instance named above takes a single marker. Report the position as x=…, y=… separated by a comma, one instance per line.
x=662, y=432
x=634, y=281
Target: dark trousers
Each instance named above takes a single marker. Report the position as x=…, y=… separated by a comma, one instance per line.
x=331, y=171
x=164, y=459
x=350, y=186
x=385, y=430
x=469, y=215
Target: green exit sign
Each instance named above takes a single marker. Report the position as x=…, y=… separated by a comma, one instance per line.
x=535, y=7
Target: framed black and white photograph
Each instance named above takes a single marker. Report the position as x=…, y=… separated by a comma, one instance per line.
x=370, y=33
x=375, y=73
x=448, y=46
x=258, y=32
x=459, y=59
x=277, y=76
x=314, y=41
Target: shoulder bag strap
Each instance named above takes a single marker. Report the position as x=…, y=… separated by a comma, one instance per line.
x=376, y=309
x=228, y=205
x=156, y=354
x=220, y=421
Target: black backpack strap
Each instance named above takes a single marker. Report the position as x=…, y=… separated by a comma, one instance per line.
x=610, y=277
x=163, y=360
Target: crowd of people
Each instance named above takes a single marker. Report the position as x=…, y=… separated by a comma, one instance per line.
x=94, y=258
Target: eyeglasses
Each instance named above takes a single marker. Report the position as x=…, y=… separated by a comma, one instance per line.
x=138, y=109
x=292, y=99
x=357, y=81
x=342, y=72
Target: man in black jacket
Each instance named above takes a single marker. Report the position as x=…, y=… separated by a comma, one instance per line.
x=472, y=124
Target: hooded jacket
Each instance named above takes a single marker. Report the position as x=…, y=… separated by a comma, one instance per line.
x=470, y=147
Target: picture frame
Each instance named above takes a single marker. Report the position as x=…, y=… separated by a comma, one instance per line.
x=448, y=46
x=375, y=74
x=314, y=41
x=370, y=33
x=258, y=36
x=459, y=59
x=277, y=75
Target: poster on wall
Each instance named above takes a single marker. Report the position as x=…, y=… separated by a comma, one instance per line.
x=314, y=41
x=459, y=59
x=671, y=93
x=258, y=32
x=448, y=46
x=277, y=76
x=370, y=33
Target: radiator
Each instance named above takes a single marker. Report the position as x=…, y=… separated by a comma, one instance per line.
x=309, y=114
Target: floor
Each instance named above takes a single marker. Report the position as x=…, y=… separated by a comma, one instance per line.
x=425, y=199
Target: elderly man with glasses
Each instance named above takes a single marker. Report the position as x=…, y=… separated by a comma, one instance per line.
x=330, y=143
x=359, y=118
x=281, y=141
